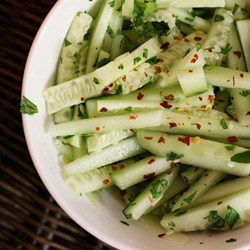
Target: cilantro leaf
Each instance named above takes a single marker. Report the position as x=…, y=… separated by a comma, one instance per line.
x=232, y=217
x=172, y=156
x=243, y=157
x=28, y=107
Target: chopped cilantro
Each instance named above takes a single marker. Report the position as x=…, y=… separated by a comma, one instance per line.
x=223, y=124
x=218, y=18
x=66, y=42
x=243, y=157
x=102, y=62
x=158, y=188
x=96, y=81
x=110, y=31
x=245, y=93
x=137, y=59
x=215, y=220
x=112, y=3
x=232, y=217
x=230, y=148
x=172, y=156
x=236, y=8
x=145, y=53
x=27, y=107
x=129, y=109
x=180, y=212
x=171, y=224
x=190, y=198
x=153, y=60
x=119, y=89
x=227, y=48
x=121, y=66
x=124, y=222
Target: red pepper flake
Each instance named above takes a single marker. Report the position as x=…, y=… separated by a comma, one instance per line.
x=107, y=89
x=197, y=38
x=114, y=168
x=241, y=75
x=198, y=126
x=196, y=56
x=106, y=182
x=82, y=99
x=200, y=98
x=186, y=40
x=97, y=129
x=148, y=138
x=161, y=235
x=185, y=140
x=233, y=81
x=232, y=139
x=124, y=78
x=211, y=98
x=237, y=53
x=165, y=45
x=206, y=174
x=151, y=161
x=219, y=203
x=221, y=100
x=140, y=96
x=135, y=69
x=169, y=97
x=190, y=70
x=132, y=116
x=193, y=60
x=145, y=74
x=172, y=124
x=177, y=38
x=161, y=140
x=248, y=113
x=157, y=69
x=173, y=164
x=121, y=166
x=166, y=105
x=196, y=169
x=149, y=176
x=210, y=50
x=103, y=109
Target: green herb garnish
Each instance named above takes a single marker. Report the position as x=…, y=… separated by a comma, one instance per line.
x=218, y=18
x=190, y=198
x=232, y=217
x=145, y=53
x=223, y=124
x=245, y=93
x=112, y=3
x=158, y=188
x=110, y=31
x=28, y=107
x=172, y=156
x=121, y=66
x=137, y=59
x=66, y=42
x=96, y=81
x=230, y=148
x=243, y=157
x=215, y=220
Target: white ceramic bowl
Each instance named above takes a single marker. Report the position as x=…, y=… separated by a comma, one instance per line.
x=102, y=220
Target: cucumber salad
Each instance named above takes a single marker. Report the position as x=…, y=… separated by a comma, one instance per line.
x=152, y=98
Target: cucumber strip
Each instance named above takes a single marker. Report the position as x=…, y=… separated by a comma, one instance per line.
x=123, y=150
x=177, y=187
x=97, y=142
x=192, y=174
x=117, y=46
x=140, y=171
x=243, y=29
x=193, y=59
x=191, y=3
x=200, y=125
x=68, y=66
x=95, y=179
x=152, y=193
x=64, y=150
x=227, y=78
x=197, y=189
x=98, y=33
x=194, y=151
x=100, y=81
x=223, y=189
x=192, y=81
x=199, y=217
x=81, y=150
x=217, y=36
x=230, y=4
x=108, y=123
x=222, y=100
x=236, y=60
x=128, y=9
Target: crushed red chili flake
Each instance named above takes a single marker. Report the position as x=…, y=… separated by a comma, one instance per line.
x=82, y=99
x=103, y=109
x=165, y=45
x=145, y=74
x=157, y=69
x=169, y=97
x=121, y=166
x=114, y=168
x=211, y=98
x=106, y=181
x=106, y=90
x=148, y=138
x=132, y=117
x=210, y=50
x=190, y=70
x=200, y=98
x=173, y=164
x=185, y=140
x=97, y=128
x=196, y=56
x=151, y=161
x=248, y=113
x=166, y=105
x=135, y=69
x=219, y=202
x=161, y=235
x=149, y=176
x=198, y=126
x=177, y=38
x=124, y=78
x=232, y=139
x=206, y=174
x=161, y=140
x=197, y=38
x=186, y=40
x=140, y=96
x=172, y=124
x=233, y=81
x=196, y=169
x=237, y=53
x=241, y=75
